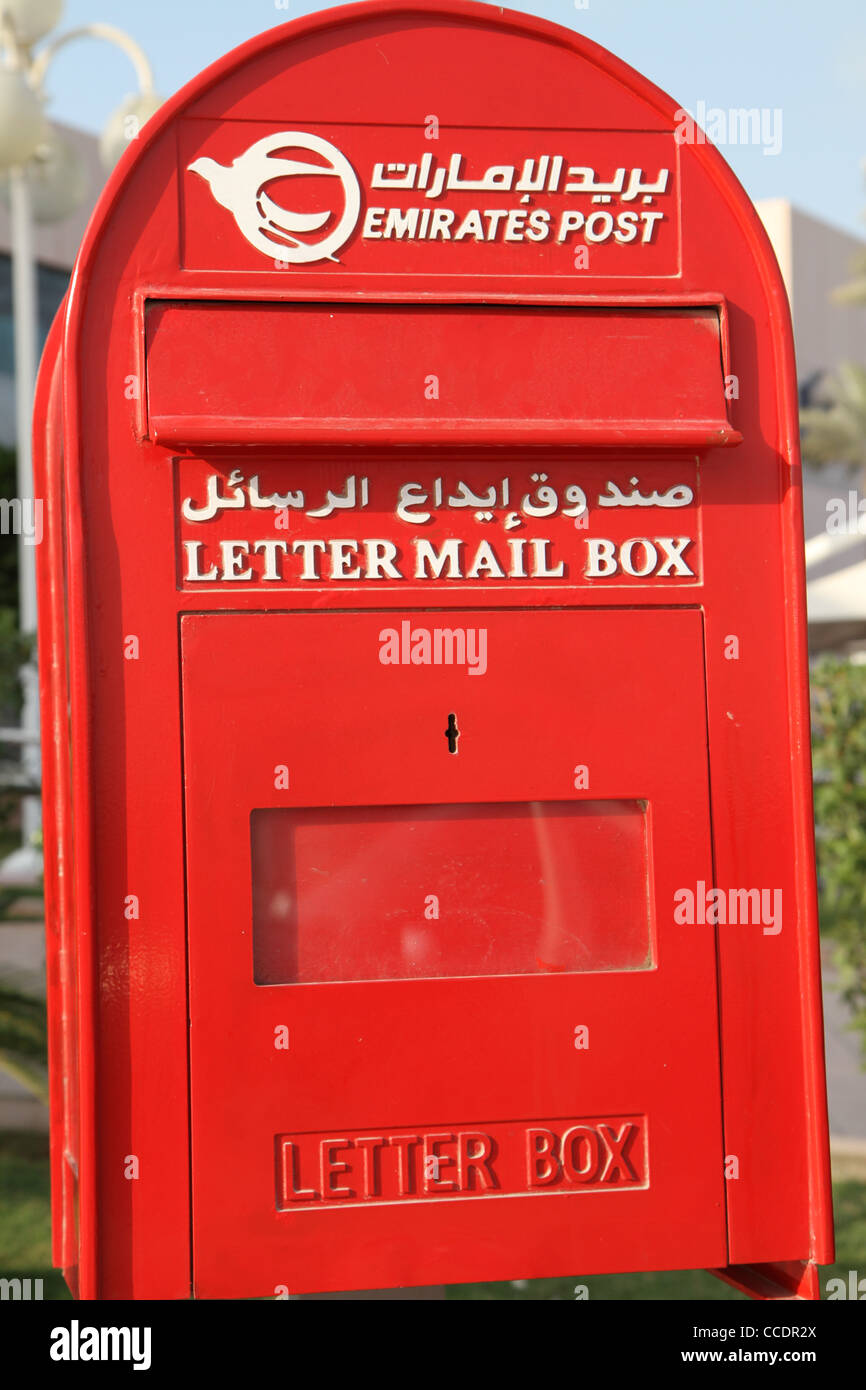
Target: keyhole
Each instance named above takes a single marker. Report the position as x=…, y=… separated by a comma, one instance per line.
x=452, y=733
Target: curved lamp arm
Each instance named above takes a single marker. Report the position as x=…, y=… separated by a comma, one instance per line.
x=14, y=53
x=137, y=56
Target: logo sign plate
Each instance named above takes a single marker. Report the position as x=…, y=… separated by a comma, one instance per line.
x=383, y=199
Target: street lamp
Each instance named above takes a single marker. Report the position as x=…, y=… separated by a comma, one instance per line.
x=44, y=181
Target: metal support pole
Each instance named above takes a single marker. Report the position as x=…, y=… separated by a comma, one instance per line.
x=26, y=320
x=25, y=864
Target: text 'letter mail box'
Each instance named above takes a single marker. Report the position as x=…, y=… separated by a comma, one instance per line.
x=429, y=873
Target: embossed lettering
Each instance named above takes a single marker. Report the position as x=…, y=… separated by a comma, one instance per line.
x=331, y=1167
x=505, y=1158
x=474, y=1166
x=541, y=1161
x=581, y=1153
x=617, y=1160
x=289, y=1167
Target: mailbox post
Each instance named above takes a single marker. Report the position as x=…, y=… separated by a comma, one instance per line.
x=429, y=863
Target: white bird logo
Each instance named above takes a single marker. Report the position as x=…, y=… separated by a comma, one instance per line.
x=271, y=229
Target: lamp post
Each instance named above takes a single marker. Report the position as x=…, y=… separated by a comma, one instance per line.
x=45, y=182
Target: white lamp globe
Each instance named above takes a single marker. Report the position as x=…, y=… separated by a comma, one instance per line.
x=33, y=19
x=126, y=124
x=57, y=178
x=22, y=122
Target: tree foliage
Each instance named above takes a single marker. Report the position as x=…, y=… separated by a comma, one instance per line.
x=835, y=430
x=839, y=753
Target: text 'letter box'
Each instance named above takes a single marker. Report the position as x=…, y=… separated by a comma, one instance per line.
x=429, y=874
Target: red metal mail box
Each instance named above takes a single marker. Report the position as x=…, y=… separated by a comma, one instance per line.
x=429, y=869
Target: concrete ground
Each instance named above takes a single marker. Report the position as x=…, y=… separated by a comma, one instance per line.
x=22, y=964
x=846, y=1079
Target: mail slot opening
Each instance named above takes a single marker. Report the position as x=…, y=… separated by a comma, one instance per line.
x=419, y=892
x=299, y=374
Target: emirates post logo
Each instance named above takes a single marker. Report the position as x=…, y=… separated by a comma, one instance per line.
x=276, y=231
x=296, y=199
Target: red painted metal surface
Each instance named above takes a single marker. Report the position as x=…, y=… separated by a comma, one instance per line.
x=590, y=381
x=232, y=523
x=442, y=1055
x=59, y=935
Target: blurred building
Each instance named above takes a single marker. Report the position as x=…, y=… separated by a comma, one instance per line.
x=56, y=246
x=815, y=259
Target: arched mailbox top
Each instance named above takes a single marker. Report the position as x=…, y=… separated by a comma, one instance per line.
x=551, y=172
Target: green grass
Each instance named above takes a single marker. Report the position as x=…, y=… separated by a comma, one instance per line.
x=25, y=1243
x=25, y=1217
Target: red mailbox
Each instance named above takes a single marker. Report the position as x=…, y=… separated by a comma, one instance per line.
x=428, y=824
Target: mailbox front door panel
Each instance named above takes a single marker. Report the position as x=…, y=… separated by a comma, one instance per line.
x=444, y=1021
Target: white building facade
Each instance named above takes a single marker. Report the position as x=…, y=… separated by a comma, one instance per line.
x=815, y=259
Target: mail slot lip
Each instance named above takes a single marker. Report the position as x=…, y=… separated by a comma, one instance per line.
x=208, y=432
x=186, y=408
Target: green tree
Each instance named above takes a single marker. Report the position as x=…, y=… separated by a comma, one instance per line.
x=835, y=430
x=839, y=756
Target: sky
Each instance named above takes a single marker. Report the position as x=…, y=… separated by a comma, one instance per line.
x=803, y=62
